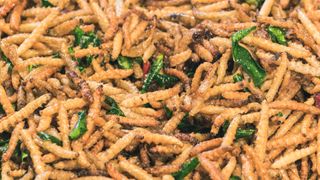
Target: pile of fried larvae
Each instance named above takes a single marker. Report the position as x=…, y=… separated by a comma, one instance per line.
x=159, y=89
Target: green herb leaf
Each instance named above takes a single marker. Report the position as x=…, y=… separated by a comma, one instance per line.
x=7, y=60
x=245, y=133
x=165, y=80
x=241, y=133
x=278, y=35
x=56, y=55
x=279, y=114
x=125, y=62
x=115, y=109
x=186, y=168
x=46, y=3
x=31, y=67
x=243, y=57
x=168, y=112
x=80, y=128
x=235, y=178
x=156, y=66
x=4, y=146
x=84, y=62
x=256, y=3
x=237, y=78
x=48, y=137
x=83, y=40
x=24, y=155
x=236, y=37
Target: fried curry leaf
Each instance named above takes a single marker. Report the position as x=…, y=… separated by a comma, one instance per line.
x=165, y=80
x=241, y=133
x=156, y=66
x=186, y=168
x=243, y=57
x=46, y=3
x=235, y=178
x=278, y=35
x=168, y=112
x=80, y=127
x=237, y=78
x=83, y=40
x=125, y=62
x=7, y=60
x=48, y=137
x=256, y=3
x=114, y=108
x=31, y=67
x=56, y=55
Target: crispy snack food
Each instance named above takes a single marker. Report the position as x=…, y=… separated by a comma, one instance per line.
x=160, y=89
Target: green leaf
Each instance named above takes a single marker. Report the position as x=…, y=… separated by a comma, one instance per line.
x=31, y=67
x=80, y=127
x=256, y=3
x=279, y=114
x=48, y=137
x=114, y=108
x=186, y=168
x=165, y=80
x=7, y=60
x=241, y=133
x=46, y=3
x=56, y=55
x=235, y=178
x=83, y=40
x=278, y=35
x=125, y=62
x=243, y=57
x=156, y=66
x=245, y=133
x=237, y=78
x=168, y=112
x=84, y=62
x=78, y=34
x=236, y=37
x=4, y=146
x=24, y=155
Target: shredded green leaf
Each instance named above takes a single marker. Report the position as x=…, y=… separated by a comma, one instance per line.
x=278, y=35
x=48, y=137
x=156, y=66
x=46, y=3
x=243, y=57
x=114, y=108
x=80, y=128
x=186, y=168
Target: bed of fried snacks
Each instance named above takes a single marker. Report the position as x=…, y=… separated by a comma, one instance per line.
x=160, y=89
